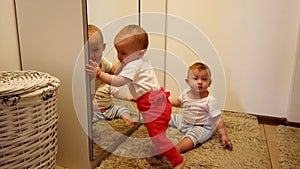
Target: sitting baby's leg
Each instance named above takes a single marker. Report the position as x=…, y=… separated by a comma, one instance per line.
x=184, y=145
x=127, y=119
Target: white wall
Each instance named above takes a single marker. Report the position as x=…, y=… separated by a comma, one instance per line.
x=51, y=38
x=256, y=41
x=9, y=49
x=156, y=50
x=106, y=15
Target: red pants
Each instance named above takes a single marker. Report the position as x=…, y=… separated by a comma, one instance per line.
x=156, y=110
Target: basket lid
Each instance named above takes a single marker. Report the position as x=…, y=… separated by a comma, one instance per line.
x=19, y=82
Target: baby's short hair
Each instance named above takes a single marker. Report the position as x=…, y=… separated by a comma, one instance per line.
x=200, y=66
x=133, y=31
x=92, y=29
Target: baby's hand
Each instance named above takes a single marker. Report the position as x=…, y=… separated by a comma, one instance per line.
x=226, y=143
x=130, y=98
x=92, y=68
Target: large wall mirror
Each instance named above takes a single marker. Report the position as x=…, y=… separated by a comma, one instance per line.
x=110, y=16
x=174, y=45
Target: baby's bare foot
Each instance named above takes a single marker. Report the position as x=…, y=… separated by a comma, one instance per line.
x=130, y=122
x=180, y=165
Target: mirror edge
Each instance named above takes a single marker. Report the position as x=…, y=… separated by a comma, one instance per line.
x=87, y=80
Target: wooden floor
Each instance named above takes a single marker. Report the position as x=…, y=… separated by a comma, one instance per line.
x=268, y=127
x=268, y=133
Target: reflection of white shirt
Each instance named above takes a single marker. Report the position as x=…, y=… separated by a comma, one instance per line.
x=142, y=76
x=104, y=96
x=198, y=111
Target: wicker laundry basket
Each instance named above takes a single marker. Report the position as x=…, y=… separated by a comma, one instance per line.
x=28, y=120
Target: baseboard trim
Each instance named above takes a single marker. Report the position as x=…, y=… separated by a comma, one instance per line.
x=275, y=121
x=271, y=120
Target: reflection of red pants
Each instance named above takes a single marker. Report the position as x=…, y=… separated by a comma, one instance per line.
x=156, y=110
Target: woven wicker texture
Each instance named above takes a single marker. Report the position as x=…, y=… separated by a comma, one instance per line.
x=28, y=120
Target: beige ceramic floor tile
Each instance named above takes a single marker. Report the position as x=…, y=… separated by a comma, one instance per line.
x=272, y=145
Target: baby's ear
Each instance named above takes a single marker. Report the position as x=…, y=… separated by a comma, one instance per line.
x=142, y=52
x=186, y=80
x=104, y=46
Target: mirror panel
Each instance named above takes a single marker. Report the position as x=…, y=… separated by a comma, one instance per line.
x=153, y=20
x=110, y=16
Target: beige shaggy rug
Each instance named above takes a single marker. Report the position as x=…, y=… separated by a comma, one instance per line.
x=107, y=133
x=249, y=148
x=288, y=141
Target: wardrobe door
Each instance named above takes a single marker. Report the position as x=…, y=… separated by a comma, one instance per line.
x=246, y=35
x=9, y=47
x=293, y=113
x=51, y=38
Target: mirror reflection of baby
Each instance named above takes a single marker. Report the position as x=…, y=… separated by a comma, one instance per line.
x=104, y=108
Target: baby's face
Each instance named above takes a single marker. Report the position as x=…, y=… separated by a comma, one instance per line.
x=126, y=48
x=199, y=80
x=96, y=48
